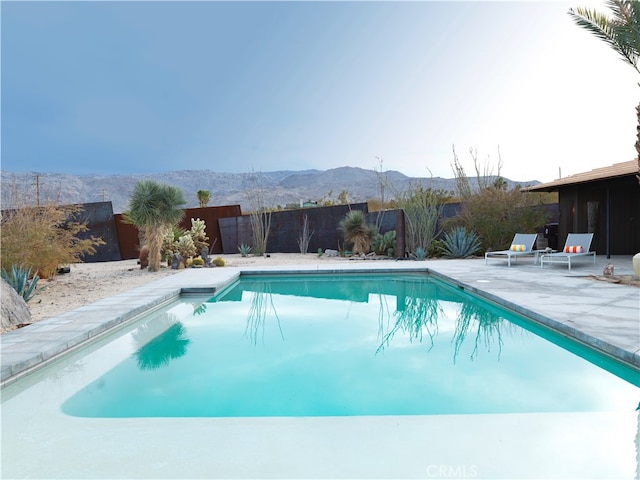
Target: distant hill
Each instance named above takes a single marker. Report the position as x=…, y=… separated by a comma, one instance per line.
x=279, y=187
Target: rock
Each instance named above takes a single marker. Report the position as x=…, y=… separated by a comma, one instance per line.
x=636, y=264
x=14, y=309
x=204, y=253
x=607, y=271
x=176, y=261
x=331, y=253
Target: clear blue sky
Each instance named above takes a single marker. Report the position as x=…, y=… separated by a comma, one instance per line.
x=141, y=87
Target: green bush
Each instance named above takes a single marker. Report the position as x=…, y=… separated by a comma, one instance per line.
x=435, y=249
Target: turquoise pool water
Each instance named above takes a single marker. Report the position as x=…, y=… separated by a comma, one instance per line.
x=348, y=345
x=329, y=376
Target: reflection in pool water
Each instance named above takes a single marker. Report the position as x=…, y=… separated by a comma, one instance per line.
x=391, y=345
x=401, y=348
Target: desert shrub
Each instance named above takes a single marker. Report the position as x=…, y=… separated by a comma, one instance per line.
x=356, y=231
x=435, y=249
x=459, y=243
x=496, y=215
x=21, y=280
x=218, y=262
x=305, y=235
x=493, y=211
x=260, y=214
x=244, y=249
x=42, y=238
x=422, y=208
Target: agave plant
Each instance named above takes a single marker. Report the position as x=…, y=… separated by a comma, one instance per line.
x=460, y=243
x=420, y=254
x=244, y=249
x=21, y=281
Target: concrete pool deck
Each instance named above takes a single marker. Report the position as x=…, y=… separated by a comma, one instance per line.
x=603, y=315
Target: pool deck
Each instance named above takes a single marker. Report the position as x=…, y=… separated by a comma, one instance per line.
x=603, y=315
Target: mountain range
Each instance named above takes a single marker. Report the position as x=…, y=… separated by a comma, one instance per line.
x=278, y=188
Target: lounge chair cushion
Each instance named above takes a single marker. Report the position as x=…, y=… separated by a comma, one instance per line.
x=517, y=248
x=573, y=249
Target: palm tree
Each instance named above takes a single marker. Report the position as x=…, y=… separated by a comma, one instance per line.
x=621, y=32
x=203, y=197
x=154, y=208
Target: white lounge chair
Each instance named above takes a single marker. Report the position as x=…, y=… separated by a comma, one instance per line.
x=577, y=245
x=522, y=244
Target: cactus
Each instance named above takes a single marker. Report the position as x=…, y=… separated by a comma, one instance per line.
x=218, y=262
x=198, y=234
x=186, y=247
x=197, y=262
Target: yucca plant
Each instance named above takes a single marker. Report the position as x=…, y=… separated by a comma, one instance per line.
x=356, y=231
x=154, y=208
x=459, y=243
x=21, y=281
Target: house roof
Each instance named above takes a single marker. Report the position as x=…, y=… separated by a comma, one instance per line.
x=616, y=170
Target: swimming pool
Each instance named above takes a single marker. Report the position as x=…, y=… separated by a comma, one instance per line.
x=328, y=376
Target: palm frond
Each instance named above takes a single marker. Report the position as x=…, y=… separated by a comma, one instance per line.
x=622, y=32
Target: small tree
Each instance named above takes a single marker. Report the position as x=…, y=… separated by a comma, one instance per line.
x=356, y=231
x=203, y=197
x=154, y=208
